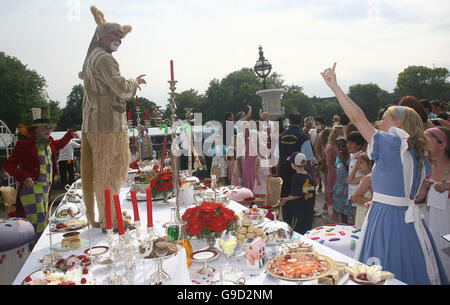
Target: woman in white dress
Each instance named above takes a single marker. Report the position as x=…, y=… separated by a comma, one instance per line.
x=437, y=187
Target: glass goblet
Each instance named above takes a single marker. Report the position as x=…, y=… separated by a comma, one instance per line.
x=228, y=247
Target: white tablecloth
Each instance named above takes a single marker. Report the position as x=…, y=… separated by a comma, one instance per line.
x=176, y=266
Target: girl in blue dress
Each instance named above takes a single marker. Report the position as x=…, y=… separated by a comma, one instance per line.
x=394, y=234
x=340, y=189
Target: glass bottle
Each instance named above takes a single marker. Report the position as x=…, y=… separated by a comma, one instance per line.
x=177, y=232
x=186, y=244
x=173, y=227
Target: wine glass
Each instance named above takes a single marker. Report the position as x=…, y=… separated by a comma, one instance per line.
x=228, y=246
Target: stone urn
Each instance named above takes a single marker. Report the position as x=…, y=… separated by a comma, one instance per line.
x=271, y=102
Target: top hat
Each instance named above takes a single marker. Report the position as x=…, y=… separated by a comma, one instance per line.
x=41, y=117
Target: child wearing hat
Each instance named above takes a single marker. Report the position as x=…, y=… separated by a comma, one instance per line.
x=298, y=207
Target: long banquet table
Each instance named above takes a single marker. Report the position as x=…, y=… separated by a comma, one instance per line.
x=175, y=266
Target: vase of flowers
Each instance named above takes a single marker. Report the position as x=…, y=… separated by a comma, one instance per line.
x=162, y=184
x=209, y=221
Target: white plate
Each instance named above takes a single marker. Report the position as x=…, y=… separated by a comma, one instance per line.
x=97, y=250
x=143, y=197
x=139, y=196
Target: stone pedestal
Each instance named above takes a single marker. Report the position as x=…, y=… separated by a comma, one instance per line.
x=271, y=102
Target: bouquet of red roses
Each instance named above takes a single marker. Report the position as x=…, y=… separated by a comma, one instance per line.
x=209, y=219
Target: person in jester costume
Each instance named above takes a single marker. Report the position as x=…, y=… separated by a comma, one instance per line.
x=34, y=165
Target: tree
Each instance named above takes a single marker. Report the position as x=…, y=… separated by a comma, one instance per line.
x=144, y=104
x=367, y=97
x=20, y=90
x=423, y=82
x=189, y=98
x=295, y=100
x=71, y=116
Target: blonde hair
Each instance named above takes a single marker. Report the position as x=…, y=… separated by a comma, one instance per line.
x=336, y=130
x=411, y=122
x=365, y=158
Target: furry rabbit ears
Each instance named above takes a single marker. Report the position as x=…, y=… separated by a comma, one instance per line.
x=101, y=21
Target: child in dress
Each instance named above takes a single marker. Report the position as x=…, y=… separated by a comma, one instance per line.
x=340, y=190
x=355, y=146
x=363, y=193
x=262, y=172
x=298, y=207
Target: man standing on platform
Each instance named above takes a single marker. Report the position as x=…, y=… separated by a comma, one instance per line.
x=105, y=154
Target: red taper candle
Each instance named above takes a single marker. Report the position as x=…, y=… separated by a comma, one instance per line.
x=146, y=114
x=171, y=69
x=108, y=208
x=129, y=115
x=135, y=205
x=118, y=215
x=137, y=101
x=149, y=208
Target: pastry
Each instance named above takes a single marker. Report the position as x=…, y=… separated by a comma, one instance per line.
x=242, y=230
x=65, y=243
x=246, y=222
x=172, y=249
x=161, y=248
x=75, y=242
x=241, y=237
x=260, y=231
x=251, y=229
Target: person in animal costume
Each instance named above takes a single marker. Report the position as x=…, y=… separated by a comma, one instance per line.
x=105, y=155
x=34, y=165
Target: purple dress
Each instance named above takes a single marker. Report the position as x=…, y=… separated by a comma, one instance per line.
x=331, y=177
x=248, y=168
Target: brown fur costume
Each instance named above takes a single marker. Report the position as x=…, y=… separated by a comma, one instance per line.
x=105, y=154
x=104, y=164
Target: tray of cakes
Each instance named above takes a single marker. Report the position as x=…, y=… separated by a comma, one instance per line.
x=69, y=225
x=247, y=232
x=70, y=262
x=300, y=266
x=73, y=276
x=162, y=248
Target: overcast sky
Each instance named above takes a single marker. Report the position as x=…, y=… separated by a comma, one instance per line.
x=371, y=40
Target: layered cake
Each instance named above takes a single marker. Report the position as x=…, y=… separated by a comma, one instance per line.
x=342, y=238
x=71, y=240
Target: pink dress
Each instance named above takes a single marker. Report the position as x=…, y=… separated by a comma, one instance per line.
x=248, y=168
x=331, y=176
x=263, y=173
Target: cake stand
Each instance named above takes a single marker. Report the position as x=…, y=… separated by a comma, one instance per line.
x=160, y=275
